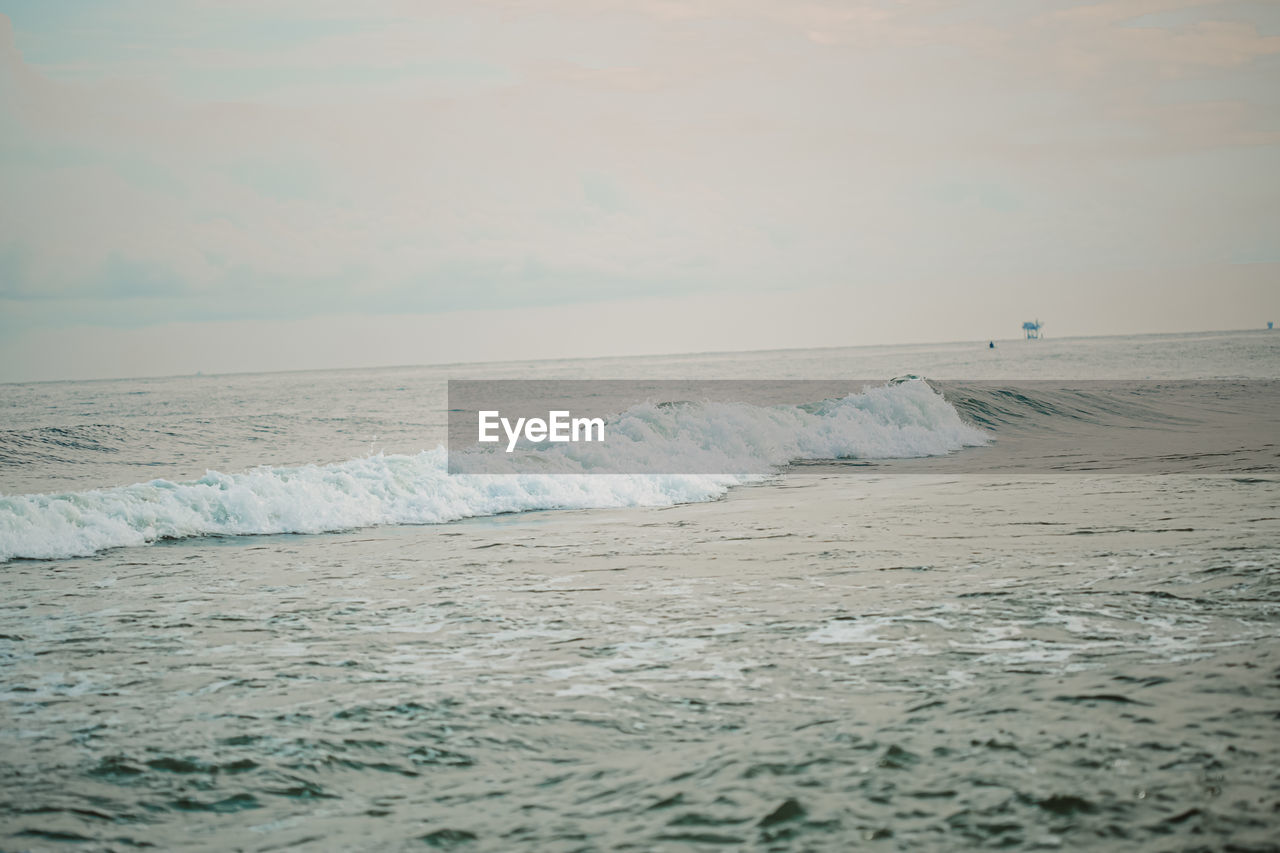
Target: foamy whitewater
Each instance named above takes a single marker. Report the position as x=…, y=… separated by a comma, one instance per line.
x=906, y=419
x=254, y=612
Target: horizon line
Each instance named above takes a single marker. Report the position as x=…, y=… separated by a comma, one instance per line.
x=410, y=366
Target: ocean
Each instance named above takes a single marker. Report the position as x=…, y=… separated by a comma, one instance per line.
x=1029, y=601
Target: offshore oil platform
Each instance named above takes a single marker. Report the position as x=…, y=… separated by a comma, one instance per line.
x=1032, y=329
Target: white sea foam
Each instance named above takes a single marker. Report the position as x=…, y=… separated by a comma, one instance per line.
x=903, y=420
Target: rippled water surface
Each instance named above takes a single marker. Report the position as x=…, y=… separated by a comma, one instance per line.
x=825, y=661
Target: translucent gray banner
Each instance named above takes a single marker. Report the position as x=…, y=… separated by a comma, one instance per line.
x=750, y=428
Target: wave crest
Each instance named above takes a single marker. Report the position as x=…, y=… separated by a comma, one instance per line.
x=892, y=421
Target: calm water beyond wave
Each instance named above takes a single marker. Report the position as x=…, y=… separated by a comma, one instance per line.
x=350, y=650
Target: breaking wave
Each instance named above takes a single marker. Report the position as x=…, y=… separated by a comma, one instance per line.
x=906, y=419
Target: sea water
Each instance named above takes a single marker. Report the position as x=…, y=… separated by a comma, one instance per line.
x=255, y=612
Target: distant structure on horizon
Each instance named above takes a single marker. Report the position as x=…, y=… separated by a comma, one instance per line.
x=1032, y=328
x=1270, y=325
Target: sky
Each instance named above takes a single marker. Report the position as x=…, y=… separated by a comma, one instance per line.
x=286, y=184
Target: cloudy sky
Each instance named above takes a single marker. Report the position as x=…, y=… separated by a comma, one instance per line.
x=194, y=185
